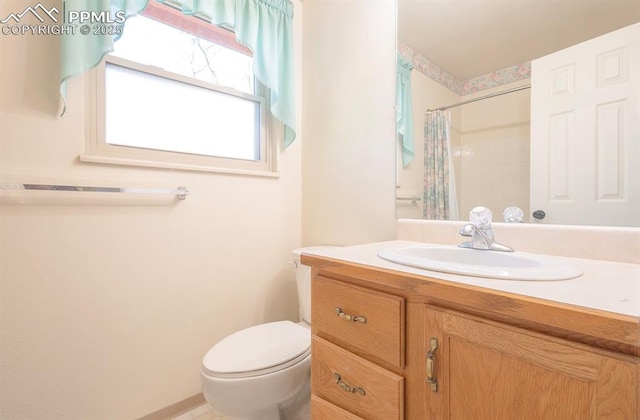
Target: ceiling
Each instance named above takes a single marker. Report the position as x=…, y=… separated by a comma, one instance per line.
x=469, y=38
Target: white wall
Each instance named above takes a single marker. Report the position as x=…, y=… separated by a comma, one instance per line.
x=494, y=153
x=108, y=306
x=348, y=164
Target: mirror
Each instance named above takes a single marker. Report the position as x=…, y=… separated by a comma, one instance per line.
x=466, y=50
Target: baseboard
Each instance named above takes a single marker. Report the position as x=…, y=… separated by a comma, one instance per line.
x=176, y=409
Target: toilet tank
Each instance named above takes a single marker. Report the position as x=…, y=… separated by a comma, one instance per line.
x=303, y=282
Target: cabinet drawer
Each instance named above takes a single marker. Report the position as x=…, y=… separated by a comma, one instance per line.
x=355, y=384
x=380, y=338
x=324, y=410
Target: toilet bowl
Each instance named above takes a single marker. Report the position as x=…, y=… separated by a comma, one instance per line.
x=255, y=373
x=252, y=372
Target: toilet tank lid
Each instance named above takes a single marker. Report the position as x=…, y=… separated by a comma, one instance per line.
x=297, y=252
x=258, y=347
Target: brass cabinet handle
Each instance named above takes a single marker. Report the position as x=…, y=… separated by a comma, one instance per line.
x=433, y=382
x=347, y=387
x=347, y=317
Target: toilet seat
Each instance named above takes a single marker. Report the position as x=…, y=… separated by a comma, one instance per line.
x=258, y=350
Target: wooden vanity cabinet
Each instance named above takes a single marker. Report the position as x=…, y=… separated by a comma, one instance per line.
x=414, y=360
x=485, y=370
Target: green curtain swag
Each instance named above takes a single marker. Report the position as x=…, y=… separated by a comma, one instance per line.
x=404, y=109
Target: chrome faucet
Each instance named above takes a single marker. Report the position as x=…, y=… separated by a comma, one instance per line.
x=481, y=232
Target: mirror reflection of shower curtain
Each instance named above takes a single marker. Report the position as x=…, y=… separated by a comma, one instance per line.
x=440, y=201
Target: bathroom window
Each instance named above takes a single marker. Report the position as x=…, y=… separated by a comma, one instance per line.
x=179, y=92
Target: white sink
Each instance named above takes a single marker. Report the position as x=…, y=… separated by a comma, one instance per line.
x=481, y=263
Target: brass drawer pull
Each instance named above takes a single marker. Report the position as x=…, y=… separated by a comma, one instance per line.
x=433, y=382
x=347, y=317
x=347, y=387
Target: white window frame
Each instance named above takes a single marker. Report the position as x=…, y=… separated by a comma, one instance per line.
x=97, y=150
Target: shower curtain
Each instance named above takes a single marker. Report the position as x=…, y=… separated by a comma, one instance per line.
x=439, y=182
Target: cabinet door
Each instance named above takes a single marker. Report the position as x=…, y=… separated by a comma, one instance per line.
x=485, y=371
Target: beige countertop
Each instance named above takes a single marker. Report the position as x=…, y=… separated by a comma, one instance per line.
x=607, y=286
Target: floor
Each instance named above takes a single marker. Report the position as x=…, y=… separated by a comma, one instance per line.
x=206, y=412
x=203, y=412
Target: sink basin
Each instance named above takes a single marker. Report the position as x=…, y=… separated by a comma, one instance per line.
x=481, y=263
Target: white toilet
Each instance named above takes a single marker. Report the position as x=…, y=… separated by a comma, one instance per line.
x=256, y=372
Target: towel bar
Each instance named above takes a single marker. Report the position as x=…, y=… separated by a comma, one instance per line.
x=180, y=192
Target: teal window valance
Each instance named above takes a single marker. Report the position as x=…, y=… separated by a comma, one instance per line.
x=404, y=107
x=264, y=26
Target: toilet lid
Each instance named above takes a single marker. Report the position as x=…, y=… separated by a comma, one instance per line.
x=259, y=348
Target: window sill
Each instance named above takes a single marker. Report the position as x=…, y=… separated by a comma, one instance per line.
x=173, y=165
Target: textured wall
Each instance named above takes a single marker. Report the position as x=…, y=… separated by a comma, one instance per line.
x=107, y=306
x=348, y=164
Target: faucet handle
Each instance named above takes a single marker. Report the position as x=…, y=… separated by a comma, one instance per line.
x=481, y=217
x=513, y=215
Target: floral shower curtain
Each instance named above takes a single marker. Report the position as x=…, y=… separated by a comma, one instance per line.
x=439, y=182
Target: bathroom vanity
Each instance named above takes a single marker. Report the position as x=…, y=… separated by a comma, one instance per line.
x=396, y=342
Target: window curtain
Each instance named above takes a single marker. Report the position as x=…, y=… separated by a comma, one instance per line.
x=439, y=183
x=265, y=26
x=404, y=107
